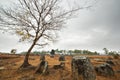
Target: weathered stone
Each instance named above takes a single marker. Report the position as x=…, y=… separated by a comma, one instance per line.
x=104, y=69
x=62, y=61
x=42, y=67
x=52, y=53
x=62, y=58
x=82, y=69
x=110, y=62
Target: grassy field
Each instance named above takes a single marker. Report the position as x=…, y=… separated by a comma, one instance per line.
x=9, y=65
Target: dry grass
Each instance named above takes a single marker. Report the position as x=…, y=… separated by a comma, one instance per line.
x=12, y=64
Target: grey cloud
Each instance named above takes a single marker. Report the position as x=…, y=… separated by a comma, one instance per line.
x=91, y=29
x=101, y=25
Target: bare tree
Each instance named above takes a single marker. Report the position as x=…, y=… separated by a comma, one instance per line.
x=36, y=21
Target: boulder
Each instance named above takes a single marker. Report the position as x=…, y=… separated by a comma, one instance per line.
x=110, y=62
x=104, y=69
x=82, y=69
x=52, y=53
x=62, y=58
x=42, y=68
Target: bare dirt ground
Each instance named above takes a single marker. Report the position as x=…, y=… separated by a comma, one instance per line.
x=9, y=65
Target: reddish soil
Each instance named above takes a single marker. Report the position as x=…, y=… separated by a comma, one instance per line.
x=11, y=63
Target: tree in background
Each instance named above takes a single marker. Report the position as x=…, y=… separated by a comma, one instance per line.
x=115, y=54
x=13, y=51
x=36, y=21
x=106, y=51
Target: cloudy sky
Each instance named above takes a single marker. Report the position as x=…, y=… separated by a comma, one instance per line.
x=91, y=29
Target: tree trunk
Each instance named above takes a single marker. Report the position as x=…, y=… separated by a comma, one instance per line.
x=26, y=63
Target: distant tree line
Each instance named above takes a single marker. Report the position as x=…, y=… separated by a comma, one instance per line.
x=107, y=52
x=57, y=51
x=87, y=52
x=115, y=54
x=75, y=51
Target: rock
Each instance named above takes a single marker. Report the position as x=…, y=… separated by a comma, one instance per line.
x=62, y=61
x=52, y=53
x=82, y=69
x=62, y=58
x=104, y=69
x=110, y=62
x=42, y=68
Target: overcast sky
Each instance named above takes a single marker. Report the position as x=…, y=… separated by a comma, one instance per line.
x=92, y=29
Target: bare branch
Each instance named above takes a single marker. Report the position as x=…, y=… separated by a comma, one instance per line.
x=36, y=20
x=29, y=8
x=42, y=45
